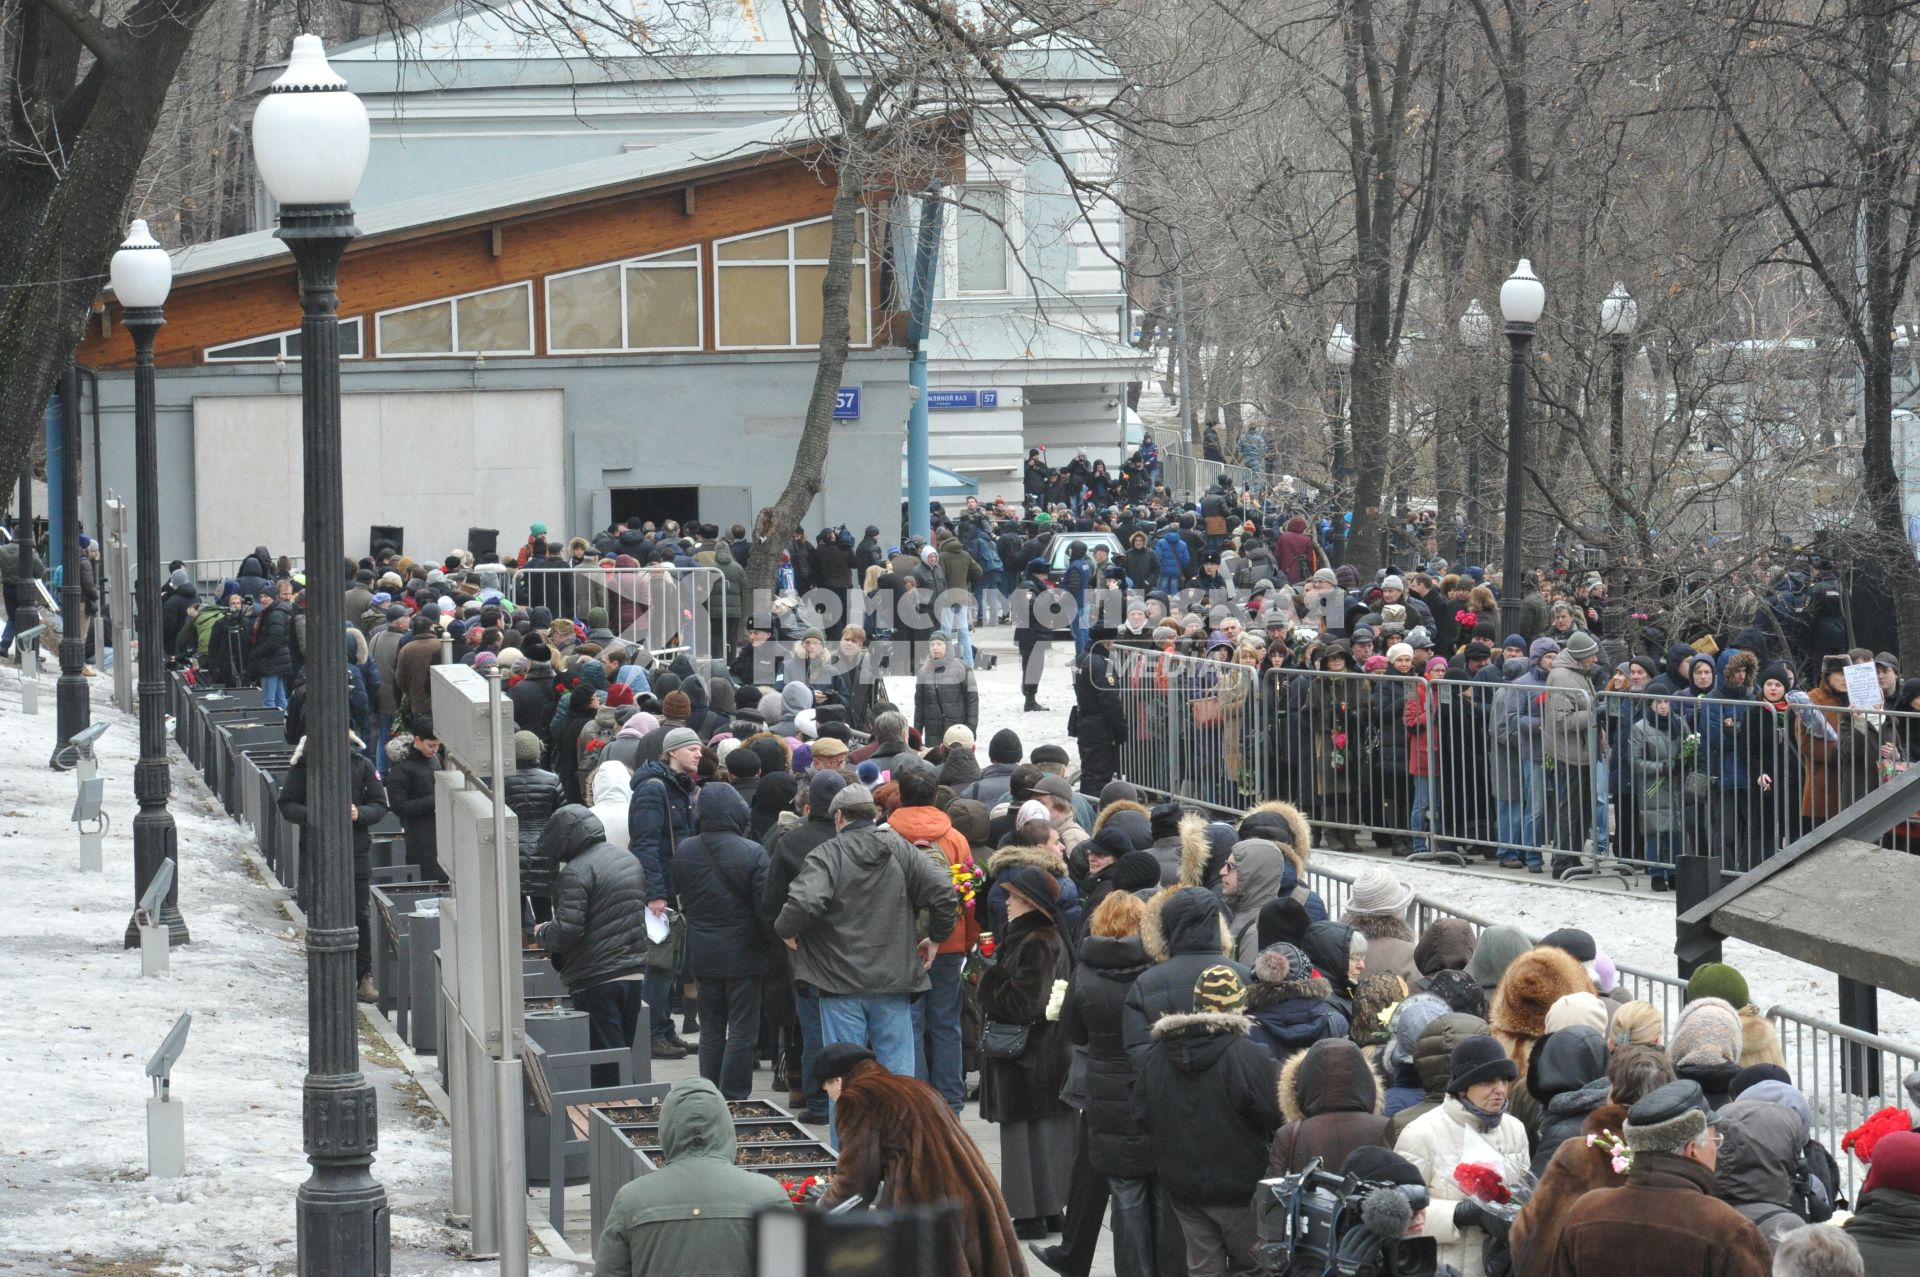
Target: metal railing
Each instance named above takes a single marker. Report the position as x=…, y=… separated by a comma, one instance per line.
x=657, y=606
x=1846, y=1075
x=1585, y=783
x=208, y=574
x=1187, y=476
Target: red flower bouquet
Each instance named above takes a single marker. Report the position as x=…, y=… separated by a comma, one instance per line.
x=1861, y=1139
x=1499, y=1195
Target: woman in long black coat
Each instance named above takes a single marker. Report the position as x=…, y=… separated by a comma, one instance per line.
x=1022, y=1096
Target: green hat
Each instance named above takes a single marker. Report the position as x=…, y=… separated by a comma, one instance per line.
x=538, y=530
x=1718, y=980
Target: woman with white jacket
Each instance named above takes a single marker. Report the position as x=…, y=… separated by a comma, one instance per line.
x=610, y=787
x=1479, y=1080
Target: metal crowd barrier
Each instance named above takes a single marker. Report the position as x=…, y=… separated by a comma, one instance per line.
x=656, y=606
x=207, y=574
x=1846, y=1075
x=1596, y=783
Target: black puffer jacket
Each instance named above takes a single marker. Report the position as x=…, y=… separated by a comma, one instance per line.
x=534, y=794
x=1116, y=1146
x=363, y=783
x=943, y=695
x=1184, y=932
x=534, y=698
x=598, y=932
x=1207, y=1102
x=1567, y=1073
x=272, y=633
x=410, y=797
x=722, y=876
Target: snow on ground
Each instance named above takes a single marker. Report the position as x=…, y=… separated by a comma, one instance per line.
x=74, y=1192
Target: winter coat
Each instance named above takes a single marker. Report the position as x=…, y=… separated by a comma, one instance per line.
x=363, y=784
x=1576, y=1168
x=959, y=568
x=1290, y=1017
x=412, y=676
x=1568, y=1078
x=1571, y=717
x=695, y=1216
x=1756, y=1163
x=1331, y=1102
x=1184, y=932
x=1091, y=1018
x=1390, y=944
x=1014, y=856
x=1032, y=954
x=534, y=698
x=721, y=875
x=932, y=831
x=410, y=797
x=659, y=815
x=271, y=655
x=897, y=1132
x=852, y=907
x=1661, y=1221
x=1330, y=945
x=1659, y=773
x=1886, y=1228
x=1207, y=1100
x=992, y=788
x=1433, y=1062
x=787, y=848
x=1263, y=866
x=1435, y=1143
x=533, y=795
x=1172, y=553
x=944, y=694
x=598, y=932
x=612, y=786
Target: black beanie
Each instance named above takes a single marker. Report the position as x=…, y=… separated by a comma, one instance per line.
x=1005, y=747
x=1572, y=940
x=1478, y=1059
x=1754, y=1074
x=742, y=762
x=1284, y=919
x=1136, y=871
x=1166, y=820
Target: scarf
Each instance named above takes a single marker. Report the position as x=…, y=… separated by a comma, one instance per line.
x=1489, y=1121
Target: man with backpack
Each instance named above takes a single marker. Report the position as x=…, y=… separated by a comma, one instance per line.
x=937, y=1054
x=659, y=816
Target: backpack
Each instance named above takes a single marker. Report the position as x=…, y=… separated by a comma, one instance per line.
x=937, y=854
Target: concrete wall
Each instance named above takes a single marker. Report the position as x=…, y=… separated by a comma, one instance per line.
x=725, y=423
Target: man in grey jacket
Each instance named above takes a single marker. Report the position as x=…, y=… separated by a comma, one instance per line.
x=850, y=921
x=1569, y=740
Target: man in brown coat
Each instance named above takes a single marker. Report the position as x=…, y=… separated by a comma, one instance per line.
x=1665, y=1219
x=413, y=667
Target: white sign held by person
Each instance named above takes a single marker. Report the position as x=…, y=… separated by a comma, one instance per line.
x=1863, y=686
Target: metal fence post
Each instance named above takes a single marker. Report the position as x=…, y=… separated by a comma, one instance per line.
x=1695, y=878
x=1860, y=1009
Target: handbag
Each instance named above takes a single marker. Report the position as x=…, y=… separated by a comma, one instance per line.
x=1002, y=1041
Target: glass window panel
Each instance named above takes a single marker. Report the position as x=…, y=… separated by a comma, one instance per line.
x=497, y=320
x=771, y=247
x=754, y=306
x=812, y=243
x=663, y=307
x=807, y=308
x=349, y=340
x=424, y=330
x=263, y=348
x=583, y=311
x=981, y=241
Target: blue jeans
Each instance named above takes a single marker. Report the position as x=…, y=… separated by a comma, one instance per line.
x=1510, y=825
x=1600, y=833
x=1169, y=583
x=659, y=985
x=959, y=623
x=273, y=691
x=936, y=1032
x=1422, y=793
x=883, y=1024
x=808, y=1005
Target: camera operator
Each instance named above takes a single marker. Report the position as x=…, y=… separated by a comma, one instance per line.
x=1369, y=1218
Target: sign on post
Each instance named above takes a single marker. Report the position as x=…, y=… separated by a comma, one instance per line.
x=951, y=400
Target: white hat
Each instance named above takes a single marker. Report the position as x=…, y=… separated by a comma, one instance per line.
x=958, y=734
x=1397, y=651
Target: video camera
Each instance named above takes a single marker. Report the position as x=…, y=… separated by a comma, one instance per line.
x=1315, y=1222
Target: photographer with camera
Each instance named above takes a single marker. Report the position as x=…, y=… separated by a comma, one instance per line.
x=1370, y=1217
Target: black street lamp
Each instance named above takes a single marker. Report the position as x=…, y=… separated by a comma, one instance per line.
x=73, y=698
x=311, y=139
x=1619, y=316
x=1340, y=357
x=1476, y=329
x=1522, y=298
x=142, y=277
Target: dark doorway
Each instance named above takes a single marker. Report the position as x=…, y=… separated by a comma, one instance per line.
x=682, y=505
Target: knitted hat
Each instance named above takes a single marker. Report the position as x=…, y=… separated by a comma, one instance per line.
x=526, y=749
x=1478, y=1059
x=1219, y=991
x=822, y=789
x=678, y=738
x=1668, y=1118
x=1005, y=747
x=1285, y=919
x=1377, y=890
x=676, y=704
x=1707, y=1033
x=1397, y=651
x=741, y=763
x=1458, y=990
x=1580, y=645
x=1582, y=1009
x=1280, y=962
x=1136, y=871
x=1718, y=980
x=1896, y=1164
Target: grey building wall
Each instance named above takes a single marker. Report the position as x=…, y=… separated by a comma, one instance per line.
x=726, y=422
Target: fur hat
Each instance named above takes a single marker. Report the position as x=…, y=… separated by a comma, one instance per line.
x=1219, y=991
x=1707, y=1033
x=1668, y=1118
x=1535, y=981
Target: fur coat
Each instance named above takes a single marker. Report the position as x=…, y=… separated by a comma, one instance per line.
x=1576, y=1169
x=1533, y=982
x=898, y=1131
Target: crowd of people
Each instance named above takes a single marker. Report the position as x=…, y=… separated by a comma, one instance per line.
x=904, y=910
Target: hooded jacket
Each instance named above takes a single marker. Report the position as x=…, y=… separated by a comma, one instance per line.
x=1433, y=1062
x=598, y=932
x=1096, y=1000
x=852, y=908
x=722, y=875
x=612, y=786
x=533, y=795
x=1289, y=1017
x=1568, y=1080
x=1330, y=945
x=694, y=1217
x=659, y=815
x=930, y=829
x=1755, y=1167
x=1331, y=1103
x=1263, y=867
x=1184, y=932
x=1207, y=1100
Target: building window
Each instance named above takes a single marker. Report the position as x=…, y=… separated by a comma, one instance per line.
x=647, y=303
x=498, y=321
x=284, y=345
x=980, y=240
x=767, y=287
